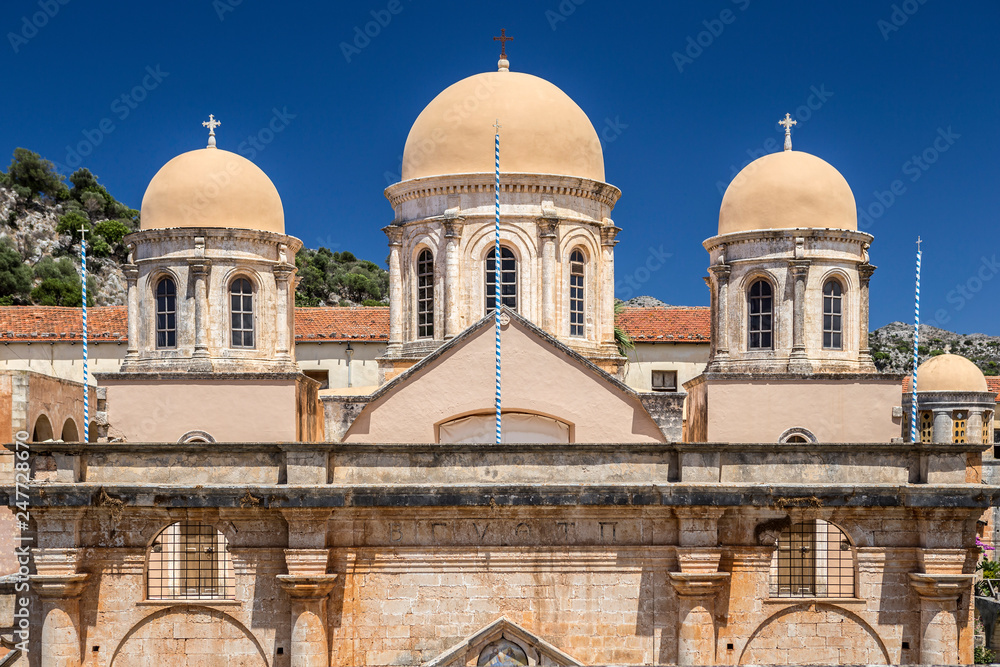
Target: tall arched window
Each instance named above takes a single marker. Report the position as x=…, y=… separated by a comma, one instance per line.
x=833, y=316
x=425, y=294
x=189, y=560
x=761, y=307
x=166, y=314
x=576, y=263
x=812, y=559
x=508, y=279
x=241, y=312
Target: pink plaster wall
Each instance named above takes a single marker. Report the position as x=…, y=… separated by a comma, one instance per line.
x=833, y=410
x=537, y=378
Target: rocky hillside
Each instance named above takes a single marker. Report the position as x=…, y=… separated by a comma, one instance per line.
x=892, y=347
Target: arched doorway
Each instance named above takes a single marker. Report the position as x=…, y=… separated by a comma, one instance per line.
x=42, y=430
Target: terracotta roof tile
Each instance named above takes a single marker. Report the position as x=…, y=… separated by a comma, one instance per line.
x=42, y=323
x=668, y=325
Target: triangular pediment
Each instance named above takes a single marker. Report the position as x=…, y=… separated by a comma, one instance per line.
x=503, y=632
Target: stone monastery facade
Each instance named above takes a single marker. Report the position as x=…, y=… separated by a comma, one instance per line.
x=235, y=510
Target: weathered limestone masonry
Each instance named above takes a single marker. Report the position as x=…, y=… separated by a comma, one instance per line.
x=378, y=554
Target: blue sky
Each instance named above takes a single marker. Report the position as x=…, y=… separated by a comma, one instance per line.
x=899, y=96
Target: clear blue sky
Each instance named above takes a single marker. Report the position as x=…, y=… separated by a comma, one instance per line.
x=891, y=81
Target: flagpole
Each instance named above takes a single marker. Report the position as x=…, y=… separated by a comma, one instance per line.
x=496, y=277
x=86, y=378
x=916, y=347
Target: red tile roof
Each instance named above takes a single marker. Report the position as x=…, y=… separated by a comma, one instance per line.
x=669, y=325
x=35, y=323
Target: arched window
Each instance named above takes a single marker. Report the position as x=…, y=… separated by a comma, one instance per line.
x=508, y=279
x=576, y=293
x=241, y=312
x=190, y=561
x=166, y=314
x=833, y=316
x=425, y=294
x=761, y=307
x=813, y=558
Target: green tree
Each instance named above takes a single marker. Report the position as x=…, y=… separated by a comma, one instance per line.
x=113, y=231
x=15, y=275
x=71, y=223
x=29, y=170
x=60, y=284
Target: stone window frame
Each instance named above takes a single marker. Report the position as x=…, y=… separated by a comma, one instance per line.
x=925, y=426
x=960, y=427
x=664, y=373
x=196, y=436
x=797, y=432
x=254, y=307
x=161, y=278
x=488, y=274
x=775, y=570
x=842, y=299
x=222, y=572
x=577, y=304
x=424, y=295
x=751, y=280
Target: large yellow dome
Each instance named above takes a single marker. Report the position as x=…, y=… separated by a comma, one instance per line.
x=212, y=188
x=543, y=131
x=788, y=190
x=950, y=372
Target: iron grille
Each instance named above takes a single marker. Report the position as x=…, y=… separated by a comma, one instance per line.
x=190, y=561
x=812, y=559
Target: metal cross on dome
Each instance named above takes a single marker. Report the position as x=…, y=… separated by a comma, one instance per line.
x=211, y=124
x=503, y=39
x=787, y=123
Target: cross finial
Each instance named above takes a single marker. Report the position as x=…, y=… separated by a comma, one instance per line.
x=83, y=234
x=787, y=123
x=918, y=243
x=504, y=65
x=211, y=124
x=497, y=126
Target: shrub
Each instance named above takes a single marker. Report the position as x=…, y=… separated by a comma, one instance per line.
x=29, y=172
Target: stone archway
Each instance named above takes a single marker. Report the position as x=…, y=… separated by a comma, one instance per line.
x=186, y=636
x=814, y=634
x=69, y=431
x=42, y=430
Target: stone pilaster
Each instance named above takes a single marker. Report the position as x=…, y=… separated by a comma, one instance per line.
x=865, y=272
x=939, y=598
x=547, y=233
x=132, y=300
x=200, y=268
x=798, y=360
x=308, y=585
x=284, y=319
x=720, y=311
x=607, y=295
x=697, y=585
x=58, y=587
x=452, y=281
x=395, y=234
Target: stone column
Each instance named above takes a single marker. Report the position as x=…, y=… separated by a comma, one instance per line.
x=200, y=268
x=132, y=299
x=697, y=585
x=452, y=285
x=720, y=340
x=865, y=272
x=547, y=233
x=798, y=361
x=974, y=427
x=939, y=597
x=395, y=234
x=606, y=332
x=308, y=585
x=58, y=587
x=943, y=428
x=285, y=318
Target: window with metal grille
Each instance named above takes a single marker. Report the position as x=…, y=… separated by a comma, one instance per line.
x=425, y=294
x=761, y=306
x=166, y=314
x=833, y=316
x=812, y=559
x=241, y=312
x=959, y=422
x=664, y=380
x=926, y=426
x=189, y=560
x=508, y=279
x=576, y=293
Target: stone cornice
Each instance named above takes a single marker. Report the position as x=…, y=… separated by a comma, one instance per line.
x=548, y=184
x=790, y=234
x=192, y=233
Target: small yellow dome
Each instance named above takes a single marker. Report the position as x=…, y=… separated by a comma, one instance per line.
x=543, y=131
x=950, y=372
x=788, y=190
x=212, y=188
